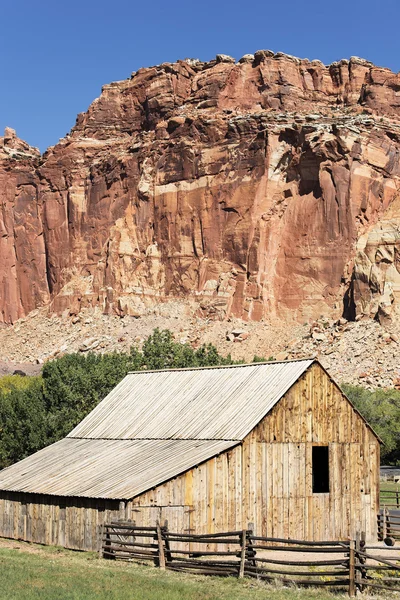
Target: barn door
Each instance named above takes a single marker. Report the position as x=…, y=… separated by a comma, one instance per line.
x=176, y=517
x=145, y=516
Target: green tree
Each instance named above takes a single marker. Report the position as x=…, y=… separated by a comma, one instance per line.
x=23, y=427
x=74, y=384
x=381, y=408
x=208, y=356
x=12, y=382
x=160, y=351
x=36, y=411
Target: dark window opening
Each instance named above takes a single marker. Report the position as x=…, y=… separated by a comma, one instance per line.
x=320, y=470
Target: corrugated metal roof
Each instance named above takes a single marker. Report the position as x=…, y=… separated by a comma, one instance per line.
x=119, y=469
x=154, y=426
x=223, y=403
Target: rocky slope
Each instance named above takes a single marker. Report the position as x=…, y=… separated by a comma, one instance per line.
x=264, y=189
x=360, y=352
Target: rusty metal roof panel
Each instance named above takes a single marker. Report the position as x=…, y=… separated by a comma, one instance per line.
x=220, y=403
x=115, y=469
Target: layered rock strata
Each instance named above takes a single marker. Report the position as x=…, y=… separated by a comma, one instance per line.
x=264, y=189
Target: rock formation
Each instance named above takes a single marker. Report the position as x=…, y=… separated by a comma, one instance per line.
x=23, y=284
x=263, y=189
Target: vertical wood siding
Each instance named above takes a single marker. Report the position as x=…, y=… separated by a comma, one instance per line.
x=69, y=522
x=266, y=481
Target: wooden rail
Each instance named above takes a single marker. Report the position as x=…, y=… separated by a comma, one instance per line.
x=388, y=524
x=340, y=564
x=125, y=541
x=390, y=499
x=378, y=568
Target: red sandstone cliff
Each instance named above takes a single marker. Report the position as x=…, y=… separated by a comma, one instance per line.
x=266, y=188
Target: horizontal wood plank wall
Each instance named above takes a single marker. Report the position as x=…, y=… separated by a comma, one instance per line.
x=267, y=480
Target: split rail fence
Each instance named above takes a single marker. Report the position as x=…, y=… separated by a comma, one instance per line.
x=341, y=564
x=389, y=525
x=390, y=499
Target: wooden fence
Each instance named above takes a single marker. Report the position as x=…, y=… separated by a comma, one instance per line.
x=377, y=567
x=390, y=499
x=342, y=564
x=388, y=524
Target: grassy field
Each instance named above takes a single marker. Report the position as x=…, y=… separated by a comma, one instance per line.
x=389, y=486
x=389, y=500
x=28, y=572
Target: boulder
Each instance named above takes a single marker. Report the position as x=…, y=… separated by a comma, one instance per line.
x=224, y=58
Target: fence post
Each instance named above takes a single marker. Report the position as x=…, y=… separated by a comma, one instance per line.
x=107, y=542
x=251, y=553
x=161, y=554
x=385, y=523
x=168, y=554
x=101, y=533
x=242, y=553
x=357, y=561
x=352, y=565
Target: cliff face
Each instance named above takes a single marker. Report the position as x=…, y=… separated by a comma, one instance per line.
x=23, y=284
x=266, y=188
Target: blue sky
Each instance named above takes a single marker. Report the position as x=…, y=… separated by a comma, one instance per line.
x=56, y=55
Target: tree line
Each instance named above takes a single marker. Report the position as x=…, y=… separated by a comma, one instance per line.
x=37, y=411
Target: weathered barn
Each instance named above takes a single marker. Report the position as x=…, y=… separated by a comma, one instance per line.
x=277, y=445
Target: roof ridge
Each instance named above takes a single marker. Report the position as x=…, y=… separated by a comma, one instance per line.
x=240, y=365
x=153, y=439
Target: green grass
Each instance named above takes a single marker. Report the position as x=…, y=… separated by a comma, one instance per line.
x=390, y=500
x=389, y=486
x=56, y=574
